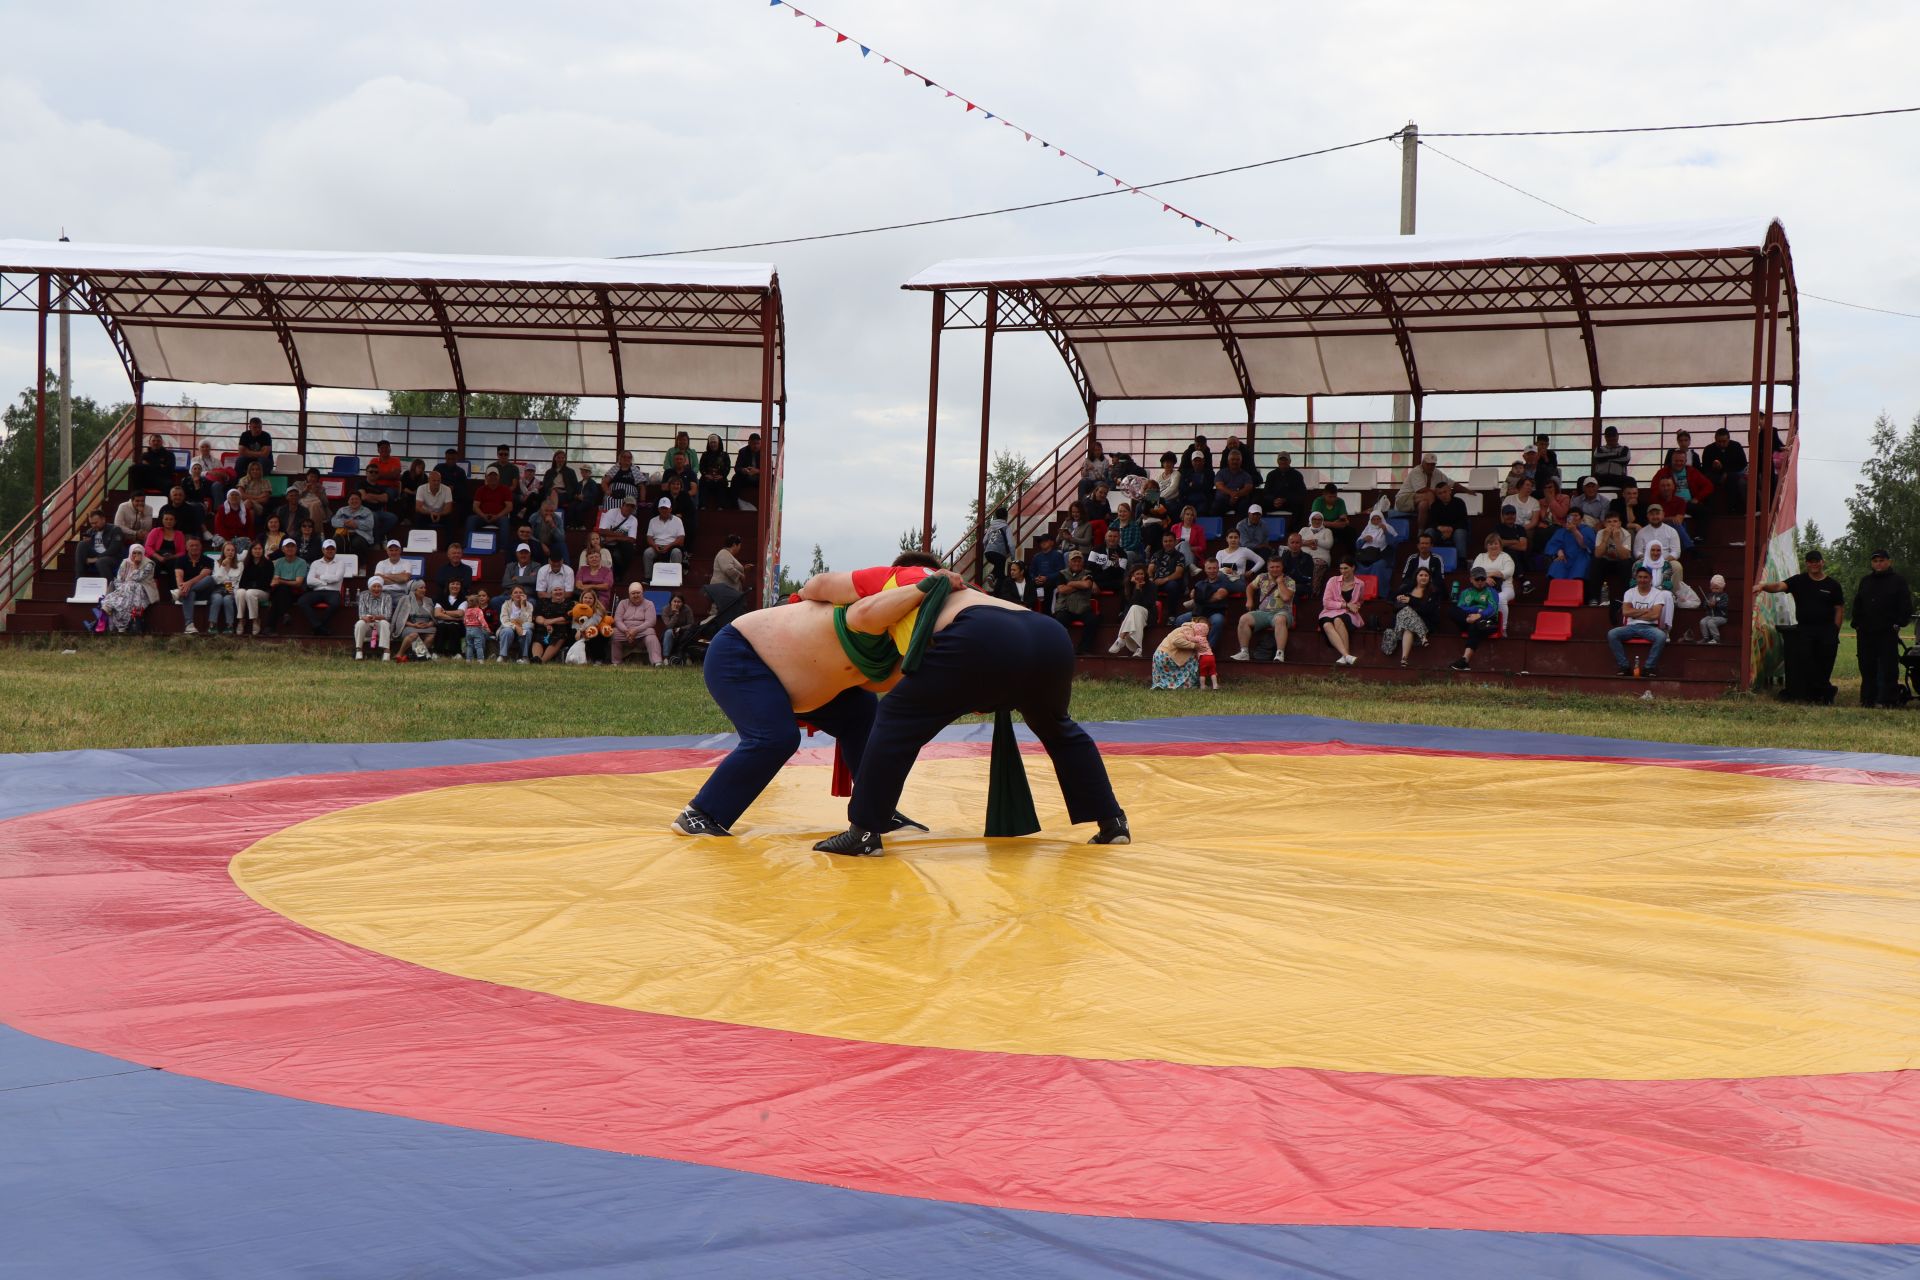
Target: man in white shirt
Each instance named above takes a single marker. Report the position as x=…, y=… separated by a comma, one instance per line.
x=666, y=540
x=394, y=571
x=1237, y=561
x=433, y=505
x=325, y=578
x=1417, y=490
x=555, y=573
x=619, y=531
x=1646, y=611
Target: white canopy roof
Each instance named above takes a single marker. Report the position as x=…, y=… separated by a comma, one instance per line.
x=419, y=321
x=1672, y=304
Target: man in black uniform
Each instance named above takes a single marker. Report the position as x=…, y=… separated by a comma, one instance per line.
x=1819, y=604
x=1881, y=606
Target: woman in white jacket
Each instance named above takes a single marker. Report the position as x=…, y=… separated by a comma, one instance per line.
x=1500, y=570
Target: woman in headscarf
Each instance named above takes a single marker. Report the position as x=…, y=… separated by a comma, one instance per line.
x=132, y=593
x=1670, y=577
x=1375, y=541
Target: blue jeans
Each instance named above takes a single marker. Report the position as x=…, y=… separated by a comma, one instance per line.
x=1617, y=638
x=476, y=646
x=218, y=604
x=194, y=596
x=514, y=643
x=763, y=715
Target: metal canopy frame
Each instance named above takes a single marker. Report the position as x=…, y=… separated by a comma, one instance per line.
x=450, y=310
x=1583, y=293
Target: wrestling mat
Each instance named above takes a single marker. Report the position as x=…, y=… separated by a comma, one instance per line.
x=1360, y=1001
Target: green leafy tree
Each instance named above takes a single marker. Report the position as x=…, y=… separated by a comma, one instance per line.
x=1009, y=476
x=482, y=404
x=91, y=423
x=1884, y=510
x=818, y=564
x=910, y=540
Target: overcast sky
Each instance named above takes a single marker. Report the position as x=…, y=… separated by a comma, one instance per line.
x=600, y=129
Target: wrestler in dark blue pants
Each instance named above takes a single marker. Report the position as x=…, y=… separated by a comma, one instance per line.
x=986, y=660
x=763, y=715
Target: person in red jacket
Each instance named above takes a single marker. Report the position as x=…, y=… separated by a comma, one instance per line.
x=234, y=519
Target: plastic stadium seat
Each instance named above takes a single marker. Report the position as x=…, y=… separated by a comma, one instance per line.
x=666, y=574
x=1401, y=526
x=182, y=459
x=333, y=487
x=277, y=486
x=1449, y=558
x=1362, y=478
x=1475, y=503
x=422, y=540
x=1371, y=589
x=1483, y=479
x=155, y=501
x=229, y=460
x=1356, y=503
x=349, y=561
x=1213, y=526
x=346, y=464
x=1556, y=624
x=481, y=541
x=416, y=565
x=87, y=590
x=1564, y=593
x=660, y=601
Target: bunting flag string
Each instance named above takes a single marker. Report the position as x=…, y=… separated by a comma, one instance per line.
x=840, y=37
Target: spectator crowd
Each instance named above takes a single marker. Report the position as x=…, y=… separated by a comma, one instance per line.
x=1195, y=545
x=251, y=553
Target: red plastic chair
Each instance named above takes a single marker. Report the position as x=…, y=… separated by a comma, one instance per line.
x=1557, y=625
x=1565, y=593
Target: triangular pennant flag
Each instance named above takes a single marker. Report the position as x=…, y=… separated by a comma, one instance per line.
x=839, y=37
x=1062, y=152
x=969, y=104
x=818, y=23
x=884, y=59
x=1166, y=208
x=864, y=51
x=777, y=3
x=1101, y=172
x=989, y=115
x=949, y=92
x=929, y=84
x=1026, y=135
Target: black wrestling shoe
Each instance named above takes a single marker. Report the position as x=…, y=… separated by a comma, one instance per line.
x=1113, y=831
x=692, y=822
x=853, y=842
x=901, y=822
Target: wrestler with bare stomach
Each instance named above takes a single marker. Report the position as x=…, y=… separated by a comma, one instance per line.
x=765, y=670
x=985, y=654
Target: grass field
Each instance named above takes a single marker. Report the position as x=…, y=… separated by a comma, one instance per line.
x=177, y=692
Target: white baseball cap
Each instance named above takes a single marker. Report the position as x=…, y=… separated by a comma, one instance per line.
x=666, y=504
x=328, y=543
x=393, y=542
x=1254, y=510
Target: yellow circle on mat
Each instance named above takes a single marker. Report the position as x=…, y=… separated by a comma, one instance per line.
x=1382, y=913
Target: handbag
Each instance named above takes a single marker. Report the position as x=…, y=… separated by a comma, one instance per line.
x=576, y=654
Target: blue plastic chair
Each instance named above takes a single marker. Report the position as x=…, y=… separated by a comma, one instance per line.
x=660, y=600
x=1213, y=526
x=1449, y=557
x=346, y=464
x=1401, y=527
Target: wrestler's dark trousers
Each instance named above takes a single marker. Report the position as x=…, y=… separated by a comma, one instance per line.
x=763, y=715
x=986, y=660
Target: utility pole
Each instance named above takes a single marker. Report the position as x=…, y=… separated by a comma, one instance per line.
x=1409, y=189
x=66, y=378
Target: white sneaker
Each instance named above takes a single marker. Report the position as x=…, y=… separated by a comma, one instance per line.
x=1242, y=656
x=1115, y=647
x=386, y=655
x=191, y=630
x=1279, y=657
x=519, y=662
x=175, y=593
x=501, y=658
x=1347, y=661
x=359, y=655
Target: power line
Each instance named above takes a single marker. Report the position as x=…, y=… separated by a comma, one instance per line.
x=1014, y=208
x=1670, y=128
x=1817, y=297
x=1503, y=182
